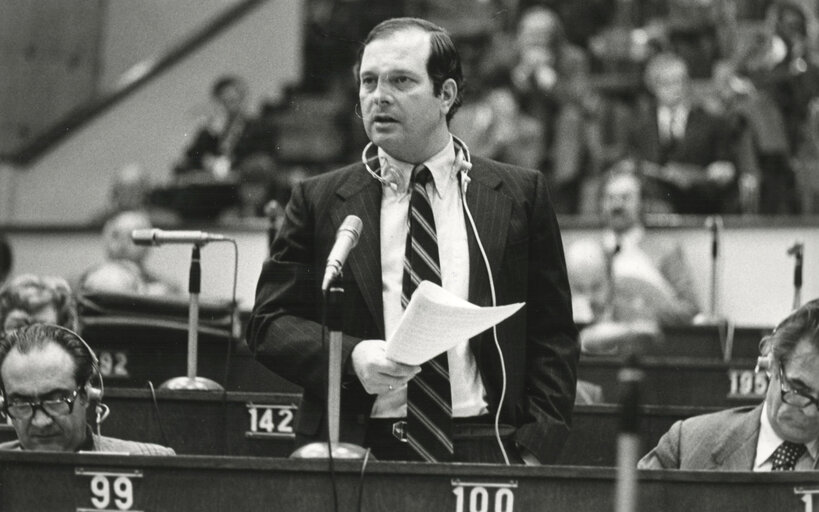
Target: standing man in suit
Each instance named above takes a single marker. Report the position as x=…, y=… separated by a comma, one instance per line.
x=780, y=434
x=410, y=84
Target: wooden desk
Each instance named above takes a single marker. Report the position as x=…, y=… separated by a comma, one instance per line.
x=70, y=482
x=681, y=380
x=709, y=341
x=261, y=424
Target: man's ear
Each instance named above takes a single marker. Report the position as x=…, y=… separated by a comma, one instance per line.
x=449, y=91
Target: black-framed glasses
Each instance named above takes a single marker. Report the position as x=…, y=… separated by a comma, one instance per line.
x=23, y=410
x=792, y=396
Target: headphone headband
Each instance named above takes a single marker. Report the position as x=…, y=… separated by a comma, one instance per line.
x=391, y=177
x=95, y=394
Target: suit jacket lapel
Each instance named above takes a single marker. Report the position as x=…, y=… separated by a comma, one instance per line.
x=737, y=446
x=491, y=210
x=361, y=195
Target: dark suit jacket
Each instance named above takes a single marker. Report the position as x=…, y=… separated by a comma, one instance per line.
x=517, y=226
x=708, y=138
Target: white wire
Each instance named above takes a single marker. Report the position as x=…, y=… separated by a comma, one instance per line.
x=465, y=179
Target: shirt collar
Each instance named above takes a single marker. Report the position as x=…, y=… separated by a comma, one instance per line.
x=441, y=165
x=769, y=441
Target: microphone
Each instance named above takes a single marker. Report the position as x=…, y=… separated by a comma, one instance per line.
x=346, y=238
x=160, y=237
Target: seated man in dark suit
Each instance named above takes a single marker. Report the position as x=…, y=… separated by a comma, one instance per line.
x=46, y=374
x=780, y=434
x=691, y=145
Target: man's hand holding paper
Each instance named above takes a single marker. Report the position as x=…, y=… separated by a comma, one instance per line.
x=436, y=320
x=378, y=373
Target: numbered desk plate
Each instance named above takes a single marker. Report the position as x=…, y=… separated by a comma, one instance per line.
x=747, y=385
x=110, y=491
x=484, y=496
x=270, y=420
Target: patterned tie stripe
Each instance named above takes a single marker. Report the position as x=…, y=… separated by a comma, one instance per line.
x=786, y=455
x=429, y=397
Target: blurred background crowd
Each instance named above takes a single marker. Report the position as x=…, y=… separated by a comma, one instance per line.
x=712, y=103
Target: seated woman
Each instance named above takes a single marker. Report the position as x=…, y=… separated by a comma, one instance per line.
x=29, y=299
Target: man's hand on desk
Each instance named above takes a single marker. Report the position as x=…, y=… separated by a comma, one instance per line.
x=377, y=373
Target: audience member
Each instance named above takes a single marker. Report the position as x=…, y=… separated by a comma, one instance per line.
x=780, y=434
x=550, y=79
x=46, y=380
x=124, y=269
x=691, y=145
x=493, y=124
x=233, y=146
x=626, y=275
x=28, y=299
x=131, y=190
x=781, y=76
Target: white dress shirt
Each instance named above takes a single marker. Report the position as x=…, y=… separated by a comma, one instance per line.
x=671, y=121
x=769, y=441
x=467, y=387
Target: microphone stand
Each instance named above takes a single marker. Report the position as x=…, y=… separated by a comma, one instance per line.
x=628, y=440
x=715, y=224
x=610, y=311
x=797, y=250
x=332, y=449
x=191, y=381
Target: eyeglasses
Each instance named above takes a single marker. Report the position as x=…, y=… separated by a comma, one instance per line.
x=793, y=396
x=22, y=410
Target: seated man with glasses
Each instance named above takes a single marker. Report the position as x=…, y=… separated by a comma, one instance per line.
x=46, y=375
x=780, y=434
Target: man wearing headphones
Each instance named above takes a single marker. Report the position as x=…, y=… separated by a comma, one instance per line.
x=46, y=375
x=410, y=85
x=780, y=434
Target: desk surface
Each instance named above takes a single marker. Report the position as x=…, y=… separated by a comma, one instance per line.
x=39, y=481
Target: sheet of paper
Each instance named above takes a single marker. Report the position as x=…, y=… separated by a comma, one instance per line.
x=435, y=321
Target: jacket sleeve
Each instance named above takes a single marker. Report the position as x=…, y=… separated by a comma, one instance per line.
x=666, y=455
x=284, y=331
x=552, y=348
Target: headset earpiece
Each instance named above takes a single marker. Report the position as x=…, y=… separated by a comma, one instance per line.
x=764, y=363
x=94, y=394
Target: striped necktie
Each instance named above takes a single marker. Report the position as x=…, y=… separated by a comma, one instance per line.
x=786, y=455
x=429, y=397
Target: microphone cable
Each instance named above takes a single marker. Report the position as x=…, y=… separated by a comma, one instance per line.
x=233, y=336
x=494, y=327
x=157, y=414
x=361, y=480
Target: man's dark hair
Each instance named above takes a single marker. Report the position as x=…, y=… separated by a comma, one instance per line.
x=38, y=336
x=802, y=324
x=443, y=63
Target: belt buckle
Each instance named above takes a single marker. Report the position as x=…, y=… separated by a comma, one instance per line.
x=399, y=430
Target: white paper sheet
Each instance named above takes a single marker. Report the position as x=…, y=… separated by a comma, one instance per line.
x=435, y=321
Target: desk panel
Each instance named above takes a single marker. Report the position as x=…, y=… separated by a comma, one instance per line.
x=681, y=380
x=261, y=424
x=71, y=482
